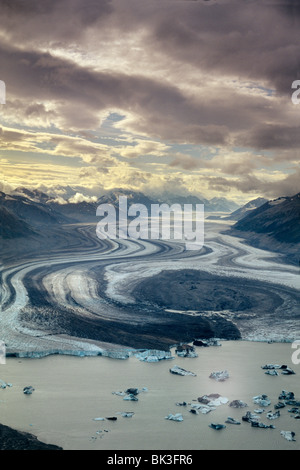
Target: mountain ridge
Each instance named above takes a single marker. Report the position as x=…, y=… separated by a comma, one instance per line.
x=274, y=226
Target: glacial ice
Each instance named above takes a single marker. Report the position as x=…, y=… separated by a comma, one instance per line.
x=220, y=376
x=288, y=435
x=153, y=355
x=262, y=400
x=179, y=371
x=175, y=417
x=4, y=384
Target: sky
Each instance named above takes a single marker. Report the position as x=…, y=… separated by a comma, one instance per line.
x=185, y=96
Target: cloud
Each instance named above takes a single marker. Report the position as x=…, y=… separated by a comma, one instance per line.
x=274, y=187
x=78, y=197
x=142, y=147
x=106, y=82
x=48, y=20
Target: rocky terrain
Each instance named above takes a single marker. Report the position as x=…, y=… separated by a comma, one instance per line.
x=245, y=210
x=274, y=226
x=11, y=439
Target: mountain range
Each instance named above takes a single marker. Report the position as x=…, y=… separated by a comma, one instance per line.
x=12, y=226
x=26, y=210
x=267, y=224
x=245, y=210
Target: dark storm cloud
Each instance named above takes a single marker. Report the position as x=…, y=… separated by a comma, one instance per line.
x=250, y=40
x=272, y=136
x=158, y=108
x=81, y=93
x=287, y=186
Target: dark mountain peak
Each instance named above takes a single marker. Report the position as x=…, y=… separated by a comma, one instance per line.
x=33, y=194
x=278, y=219
x=31, y=211
x=13, y=227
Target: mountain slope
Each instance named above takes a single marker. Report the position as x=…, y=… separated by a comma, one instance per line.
x=217, y=204
x=273, y=226
x=33, y=212
x=221, y=204
x=13, y=227
x=243, y=211
x=279, y=218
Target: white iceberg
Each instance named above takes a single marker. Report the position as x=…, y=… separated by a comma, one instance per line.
x=220, y=376
x=262, y=400
x=176, y=417
x=179, y=371
x=288, y=435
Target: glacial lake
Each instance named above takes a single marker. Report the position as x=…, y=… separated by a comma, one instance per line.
x=70, y=392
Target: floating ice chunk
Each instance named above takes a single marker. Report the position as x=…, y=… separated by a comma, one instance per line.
x=217, y=426
x=271, y=415
x=132, y=391
x=271, y=372
x=176, y=417
x=220, y=376
x=213, y=400
x=237, y=404
x=130, y=397
x=218, y=401
x=4, y=384
x=279, y=405
x=127, y=414
x=262, y=400
x=179, y=371
x=288, y=435
x=153, y=355
x=250, y=417
x=204, y=409
x=285, y=395
x=287, y=370
x=271, y=366
x=256, y=424
x=232, y=421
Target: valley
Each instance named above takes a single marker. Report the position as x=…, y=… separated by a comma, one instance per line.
x=79, y=293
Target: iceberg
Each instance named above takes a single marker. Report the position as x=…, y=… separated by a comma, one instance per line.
x=130, y=397
x=262, y=400
x=204, y=409
x=4, y=384
x=232, y=420
x=237, y=404
x=153, y=355
x=271, y=372
x=288, y=435
x=274, y=415
x=179, y=371
x=217, y=426
x=127, y=414
x=176, y=417
x=220, y=376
